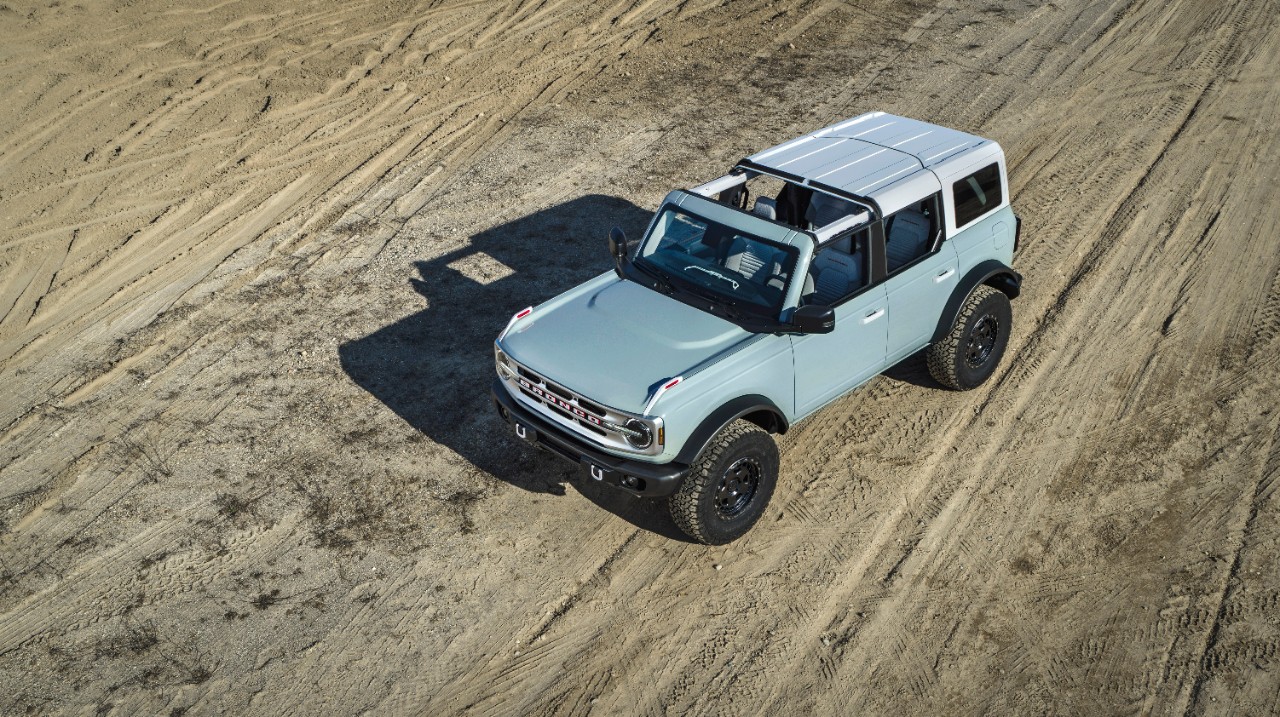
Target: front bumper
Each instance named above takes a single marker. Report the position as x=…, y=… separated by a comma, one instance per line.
x=650, y=480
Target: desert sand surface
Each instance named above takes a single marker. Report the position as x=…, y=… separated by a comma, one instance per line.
x=253, y=256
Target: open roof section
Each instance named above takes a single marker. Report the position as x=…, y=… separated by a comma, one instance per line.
x=876, y=155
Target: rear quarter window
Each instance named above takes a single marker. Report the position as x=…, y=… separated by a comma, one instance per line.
x=977, y=194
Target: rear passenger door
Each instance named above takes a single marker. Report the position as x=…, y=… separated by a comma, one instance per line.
x=922, y=272
x=827, y=365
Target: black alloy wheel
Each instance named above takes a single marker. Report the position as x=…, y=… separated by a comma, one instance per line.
x=738, y=486
x=982, y=340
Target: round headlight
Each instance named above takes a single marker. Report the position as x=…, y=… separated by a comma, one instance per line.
x=504, y=365
x=638, y=434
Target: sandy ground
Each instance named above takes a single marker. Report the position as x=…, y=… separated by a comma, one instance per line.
x=252, y=258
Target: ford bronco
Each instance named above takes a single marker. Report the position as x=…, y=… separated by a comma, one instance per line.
x=757, y=298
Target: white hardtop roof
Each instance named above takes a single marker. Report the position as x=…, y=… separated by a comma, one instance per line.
x=876, y=155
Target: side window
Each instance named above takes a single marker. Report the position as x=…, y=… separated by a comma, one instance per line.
x=977, y=194
x=911, y=233
x=837, y=271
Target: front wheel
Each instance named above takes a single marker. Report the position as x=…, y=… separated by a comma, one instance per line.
x=970, y=352
x=729, y=485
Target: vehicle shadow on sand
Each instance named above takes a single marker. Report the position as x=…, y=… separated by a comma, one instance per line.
x=914, y=370
x=434, y=368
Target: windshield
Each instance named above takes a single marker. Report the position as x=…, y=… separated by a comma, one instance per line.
x=719, y=262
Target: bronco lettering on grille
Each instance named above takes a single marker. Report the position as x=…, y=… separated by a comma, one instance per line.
x=559, y=402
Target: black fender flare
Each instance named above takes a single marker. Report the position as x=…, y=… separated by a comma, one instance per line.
x=992, y=272
x=723, y=416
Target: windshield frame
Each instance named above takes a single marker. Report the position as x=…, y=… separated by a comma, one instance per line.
x=738, y=308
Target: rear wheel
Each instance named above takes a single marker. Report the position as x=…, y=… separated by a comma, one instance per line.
x=729, y=486
x=970, y=352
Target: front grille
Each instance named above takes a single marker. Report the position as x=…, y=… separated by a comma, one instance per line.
x=562, y=401
x=561, y=410
x=593, y=408
x=586, y=417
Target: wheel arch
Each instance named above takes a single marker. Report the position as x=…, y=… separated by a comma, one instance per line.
x=993, y=273
x=754, y=408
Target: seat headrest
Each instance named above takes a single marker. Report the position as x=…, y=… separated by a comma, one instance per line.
x=765, y=207
x=825, y=209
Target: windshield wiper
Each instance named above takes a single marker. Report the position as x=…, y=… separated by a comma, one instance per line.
x=726, y=305
x=665, y=285
x=662, y=283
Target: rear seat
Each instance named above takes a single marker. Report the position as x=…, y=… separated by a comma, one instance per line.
x=824, y=209
x=907, y=237
x=765, y=207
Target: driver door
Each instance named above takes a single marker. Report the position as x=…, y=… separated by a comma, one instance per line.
x=827, y=365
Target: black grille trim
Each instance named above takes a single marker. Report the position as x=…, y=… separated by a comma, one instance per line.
x=564, y=394
x=560, y=410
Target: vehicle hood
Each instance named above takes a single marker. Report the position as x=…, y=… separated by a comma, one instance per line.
x=615, y=341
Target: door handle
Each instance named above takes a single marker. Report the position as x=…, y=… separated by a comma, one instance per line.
x=873, y=316
x=944, y=275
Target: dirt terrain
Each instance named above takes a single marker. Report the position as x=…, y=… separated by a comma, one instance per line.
x=253, y=256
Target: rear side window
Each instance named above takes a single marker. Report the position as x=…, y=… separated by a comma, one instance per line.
x=977, y=194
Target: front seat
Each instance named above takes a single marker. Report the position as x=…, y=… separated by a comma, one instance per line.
x=752, y=260
x=838, y=275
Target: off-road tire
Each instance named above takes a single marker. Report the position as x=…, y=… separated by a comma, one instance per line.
x=739, y=451
x=970, y=352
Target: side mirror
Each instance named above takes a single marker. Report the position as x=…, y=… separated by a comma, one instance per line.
x=618, y=248
x=814, y=319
